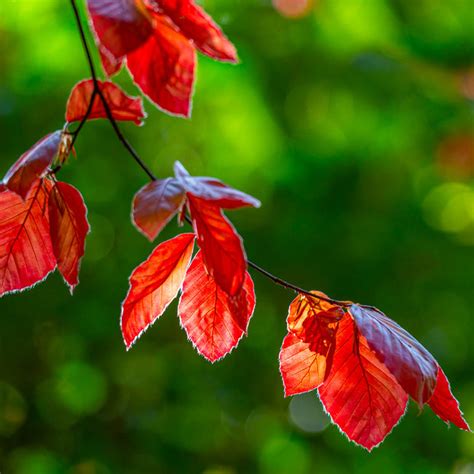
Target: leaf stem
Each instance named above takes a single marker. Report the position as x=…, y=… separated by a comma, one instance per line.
x=277, y=280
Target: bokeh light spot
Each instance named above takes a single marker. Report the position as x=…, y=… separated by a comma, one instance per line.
x=306, y=412
x=80, y=387
x=12, y=409
x=293, y=8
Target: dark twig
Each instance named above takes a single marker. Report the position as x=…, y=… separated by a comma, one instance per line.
x=134, y=154
x=98, y=90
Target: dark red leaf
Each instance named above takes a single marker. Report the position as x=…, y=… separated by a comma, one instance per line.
x=154, y=284
x=32, y=164
x=199, y=27
x=119, y=25
x=445, y=405
x=214, y=321
x=410, y=363
x=213, y=190
x=360, y=394
x=26, y=252
x=221, y=246
x=68, y=227
x=122, y=106
x=163, y=68
x=155, y=205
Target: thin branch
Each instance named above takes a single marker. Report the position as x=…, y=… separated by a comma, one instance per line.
x=277, y=280
x=98, y=90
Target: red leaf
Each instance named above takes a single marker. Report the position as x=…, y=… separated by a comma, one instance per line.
x=32, y=164
x=120, y=27
x=445, y=405
x=155, y=205
x=110, y=63
x=221, y=246
x=360, y=394
x=301, y=368
x=410, y=363
x=163, y=68
x=154, y=284
x=26, y=253
x=307, y=351
x=197, y=25
x=68, y=227
x=214, y=321
x=213, y=190
x=122, y=106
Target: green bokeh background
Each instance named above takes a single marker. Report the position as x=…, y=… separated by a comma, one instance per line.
x=354, y=126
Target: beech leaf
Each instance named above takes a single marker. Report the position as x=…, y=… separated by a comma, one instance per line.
x=122, y=106
x=69, y=227
x=155, y=205
x=153, y=286
x=411, y=364
x=213, y=320
x=360, y=394
x=25, y=172
x=222, y=250
x=26, y=252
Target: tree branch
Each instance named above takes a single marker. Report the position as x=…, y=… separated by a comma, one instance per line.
x=98, y=90
x=277, y=280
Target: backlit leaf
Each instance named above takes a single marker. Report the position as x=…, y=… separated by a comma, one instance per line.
x=445, y=405
x=360, y=394
x=198, y=26
x=26, y=252
x=122, y=106
x=163, y=68
x=307, y=351
x=69, y=227
x=213, y=320
x=222, y=249
x=154, y=284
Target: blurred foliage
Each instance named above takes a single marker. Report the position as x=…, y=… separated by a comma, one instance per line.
x=354, y=126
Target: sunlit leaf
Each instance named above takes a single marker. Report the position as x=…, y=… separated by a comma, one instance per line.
x=214, y=321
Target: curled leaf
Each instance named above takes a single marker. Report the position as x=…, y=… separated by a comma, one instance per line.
x=213, y=190
x=122, y=106
x=155, y=205
x=24, y=173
